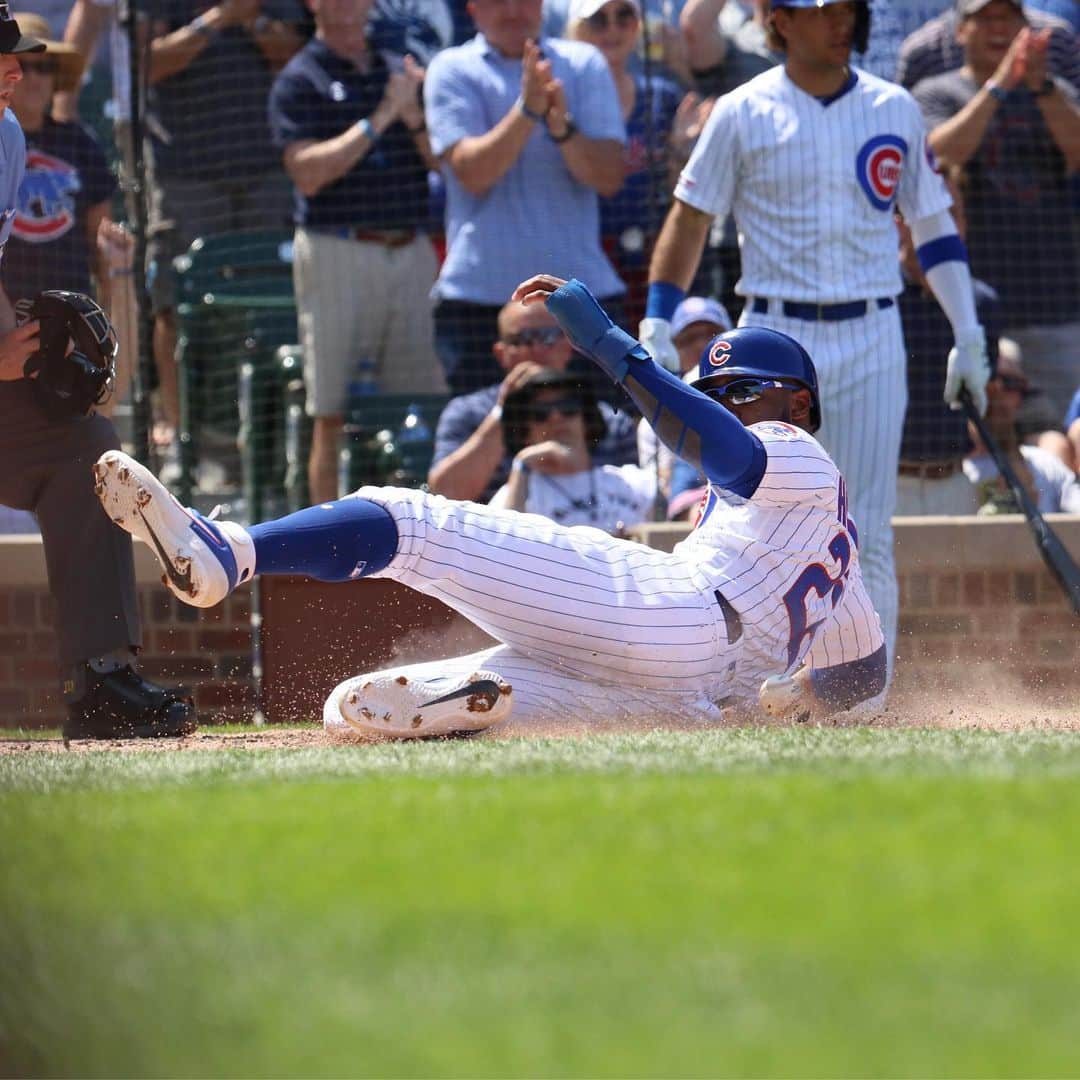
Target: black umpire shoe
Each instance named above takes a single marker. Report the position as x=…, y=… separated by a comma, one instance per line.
x=121, y=704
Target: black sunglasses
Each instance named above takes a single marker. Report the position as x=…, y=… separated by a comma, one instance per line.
x=41, y=67
x=747, y=391
x=623, y=16
x=543, y=335
x=541, y=410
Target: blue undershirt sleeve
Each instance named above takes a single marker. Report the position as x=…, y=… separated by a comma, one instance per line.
x=844, y=685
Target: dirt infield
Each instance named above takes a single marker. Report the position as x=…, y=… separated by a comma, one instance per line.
x=985, y=710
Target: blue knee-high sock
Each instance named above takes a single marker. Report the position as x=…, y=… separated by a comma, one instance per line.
x=335, y=541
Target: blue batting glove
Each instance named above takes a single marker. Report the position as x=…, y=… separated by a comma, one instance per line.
x=587, y=325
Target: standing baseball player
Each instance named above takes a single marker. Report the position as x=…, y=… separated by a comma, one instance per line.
x=811, y=157
x=592, y=628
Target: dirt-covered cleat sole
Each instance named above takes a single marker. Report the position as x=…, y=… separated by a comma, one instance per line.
x=389, y=706
x=203, y=560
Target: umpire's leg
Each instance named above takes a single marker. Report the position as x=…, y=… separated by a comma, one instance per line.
x=47, y=469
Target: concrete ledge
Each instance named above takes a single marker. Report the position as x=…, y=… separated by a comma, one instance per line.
x=22, y=563
x=938, y=543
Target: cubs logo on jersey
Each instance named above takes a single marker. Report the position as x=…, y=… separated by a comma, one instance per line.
x=46, y=202
x=719, y=353
x=878, y=167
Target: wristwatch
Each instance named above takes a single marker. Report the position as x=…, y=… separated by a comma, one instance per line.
x=998, y=93
x=201, y=25
x=570, y=132
x=1047, y=87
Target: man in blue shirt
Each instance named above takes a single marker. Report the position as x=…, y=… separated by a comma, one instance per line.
x=471, y=460
x=352, y=134
x=47, y=470
x=530, y=131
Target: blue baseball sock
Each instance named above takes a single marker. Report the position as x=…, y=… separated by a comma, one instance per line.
x=335, y=541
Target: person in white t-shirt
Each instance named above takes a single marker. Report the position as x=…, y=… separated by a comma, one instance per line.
x=551, y=425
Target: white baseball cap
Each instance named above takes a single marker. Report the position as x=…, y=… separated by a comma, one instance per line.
x=700, y=309
x=582, y=9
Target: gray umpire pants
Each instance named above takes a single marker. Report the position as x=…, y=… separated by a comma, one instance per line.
x=45, y=467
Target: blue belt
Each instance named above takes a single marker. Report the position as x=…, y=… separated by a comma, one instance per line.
x=796, y=309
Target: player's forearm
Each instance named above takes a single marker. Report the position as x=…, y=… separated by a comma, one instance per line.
x=480, y=161
x=957, y=139
x=943, y=258
x=679, y=246
x=596, y=163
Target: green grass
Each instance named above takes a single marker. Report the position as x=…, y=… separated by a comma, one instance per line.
x=792, y=902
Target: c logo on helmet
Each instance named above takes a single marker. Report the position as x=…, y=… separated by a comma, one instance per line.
x=719, y=354
x=878, y=167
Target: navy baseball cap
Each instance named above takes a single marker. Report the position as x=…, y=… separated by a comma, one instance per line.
x=12, y=39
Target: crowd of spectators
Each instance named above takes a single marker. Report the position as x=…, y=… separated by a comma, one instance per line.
x=427, y=155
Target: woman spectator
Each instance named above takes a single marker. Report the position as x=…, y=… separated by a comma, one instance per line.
x=62, y=236
x=551, y=425
x=658, y=118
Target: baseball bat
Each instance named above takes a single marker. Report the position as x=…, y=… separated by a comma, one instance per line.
x=1053, y=551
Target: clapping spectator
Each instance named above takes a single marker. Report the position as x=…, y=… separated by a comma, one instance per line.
x=1015, y=130
x=530, y=132
x=471, y=459
x=935, y=47
x=551, y=426
x=354, y=144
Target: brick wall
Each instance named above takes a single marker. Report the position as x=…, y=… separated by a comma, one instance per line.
x=209, y=651
x=976, y=605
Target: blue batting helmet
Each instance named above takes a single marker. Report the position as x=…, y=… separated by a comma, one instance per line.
x=861, y=36
x=758, y=353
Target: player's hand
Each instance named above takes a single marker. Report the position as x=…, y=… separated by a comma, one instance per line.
x=16, y=346
x=553, y=458
x=117, y=245
x=655, y=335
x=535, y=75
x=537, y=289
x=788, y=697
x=969, y=367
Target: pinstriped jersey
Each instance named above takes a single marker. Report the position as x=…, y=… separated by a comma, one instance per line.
x=786, y=558
x=812, y=185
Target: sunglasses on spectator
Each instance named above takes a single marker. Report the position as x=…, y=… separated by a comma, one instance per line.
x=623, y=16
x=747, y=391
x=544, y=335
x=41, y=67
x=541, y=410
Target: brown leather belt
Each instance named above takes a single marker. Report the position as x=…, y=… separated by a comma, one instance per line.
x=391, y=238
x=930, y=470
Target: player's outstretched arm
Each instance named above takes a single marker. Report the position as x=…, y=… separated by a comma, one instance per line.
x=693, y=426
x=817, y=693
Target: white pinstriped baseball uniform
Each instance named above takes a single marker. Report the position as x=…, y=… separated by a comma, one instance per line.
x=598, y=629
x=812, y=187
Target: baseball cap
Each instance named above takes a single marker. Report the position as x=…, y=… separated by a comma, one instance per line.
x=68, y=58
x=699, y=309
x=12, y=39
x=582, y=9
x=965, y=8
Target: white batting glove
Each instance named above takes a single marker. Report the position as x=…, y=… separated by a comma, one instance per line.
x=655, y=335
x=968, y=366
x=782, y=697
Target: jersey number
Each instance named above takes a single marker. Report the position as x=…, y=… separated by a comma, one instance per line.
x=815, y=579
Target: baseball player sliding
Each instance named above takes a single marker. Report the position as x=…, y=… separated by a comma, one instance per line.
x=812, y=157
x=593, y=628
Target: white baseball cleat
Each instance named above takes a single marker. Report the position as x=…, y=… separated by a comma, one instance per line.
x=203, y=560
x=390, y=706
